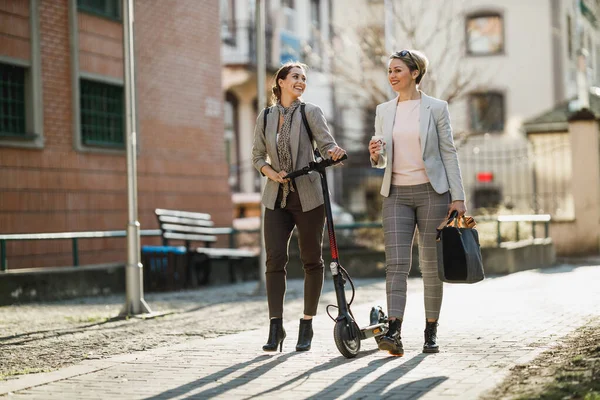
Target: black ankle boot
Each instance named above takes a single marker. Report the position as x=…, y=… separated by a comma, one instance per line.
x=392, y=341
x=305, y=335
x=276, y=335
x=431, y=345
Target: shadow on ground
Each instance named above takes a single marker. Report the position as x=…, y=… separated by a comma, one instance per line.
x=383, y=386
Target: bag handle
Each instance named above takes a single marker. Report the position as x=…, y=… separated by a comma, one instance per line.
x=456, y=222
x=453, y=218
x=309, y=131
x=267, y=109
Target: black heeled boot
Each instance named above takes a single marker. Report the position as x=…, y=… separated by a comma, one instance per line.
x=276, y=335
x=392, y=341
x=305, y=335
x=431, y=345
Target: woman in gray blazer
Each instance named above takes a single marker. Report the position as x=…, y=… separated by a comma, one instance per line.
x=422, y=185
x=285, y=146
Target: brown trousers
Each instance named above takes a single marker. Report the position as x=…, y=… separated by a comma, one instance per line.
x=279, y=224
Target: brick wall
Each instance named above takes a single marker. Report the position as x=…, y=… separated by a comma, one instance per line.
x=100, y=46
x=181, y=162
x=14, y=29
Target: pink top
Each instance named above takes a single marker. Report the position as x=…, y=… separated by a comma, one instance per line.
x=407, y=167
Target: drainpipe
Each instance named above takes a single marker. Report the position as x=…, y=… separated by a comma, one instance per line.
x=261, y=81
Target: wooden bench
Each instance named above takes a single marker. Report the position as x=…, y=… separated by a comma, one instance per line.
x=194, y=227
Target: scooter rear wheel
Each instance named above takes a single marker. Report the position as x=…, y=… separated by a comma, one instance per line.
x=348, y=345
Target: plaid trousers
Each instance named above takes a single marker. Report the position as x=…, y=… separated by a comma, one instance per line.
x=407, y=208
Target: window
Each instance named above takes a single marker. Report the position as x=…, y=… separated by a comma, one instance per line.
x=485, y=34
x=231, y=140
x=486, y=112
x=102, y=111
x=21, y=105
x=289, y=13
x=227, y=10
x=103, y=8
x=12, y=100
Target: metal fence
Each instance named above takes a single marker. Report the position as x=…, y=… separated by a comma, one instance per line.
x=73, y=236
x=500, y=177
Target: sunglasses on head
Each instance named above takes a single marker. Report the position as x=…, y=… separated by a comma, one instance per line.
x=405, y=53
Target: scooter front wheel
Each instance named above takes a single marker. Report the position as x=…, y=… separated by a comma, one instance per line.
x=346, y=338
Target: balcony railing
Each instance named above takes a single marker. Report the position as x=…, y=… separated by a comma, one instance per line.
x=239, y=43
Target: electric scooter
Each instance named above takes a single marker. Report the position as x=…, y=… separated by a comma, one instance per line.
x=346, y=333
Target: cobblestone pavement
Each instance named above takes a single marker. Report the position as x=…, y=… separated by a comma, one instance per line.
x=484, y=330
x=48, y=336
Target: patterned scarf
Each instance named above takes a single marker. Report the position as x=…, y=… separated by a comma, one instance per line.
x=283, y=145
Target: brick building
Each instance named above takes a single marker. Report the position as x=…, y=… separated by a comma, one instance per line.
x=62, y=155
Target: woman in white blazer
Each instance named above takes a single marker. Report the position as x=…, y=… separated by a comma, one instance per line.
x=422, y=185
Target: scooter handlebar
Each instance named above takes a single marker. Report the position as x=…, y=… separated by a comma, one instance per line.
x=313, y=166
x=298, y=173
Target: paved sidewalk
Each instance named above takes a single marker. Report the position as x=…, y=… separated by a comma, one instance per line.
x=484, y=330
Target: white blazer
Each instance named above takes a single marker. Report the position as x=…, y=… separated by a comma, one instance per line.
x=437, y=146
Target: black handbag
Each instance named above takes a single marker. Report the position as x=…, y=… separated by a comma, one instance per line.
x=458, y=251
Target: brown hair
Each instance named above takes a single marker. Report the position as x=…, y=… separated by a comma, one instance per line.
x=282, y=73
x=414, y=60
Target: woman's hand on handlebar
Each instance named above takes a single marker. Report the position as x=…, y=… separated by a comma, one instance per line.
x=336, y=153
x=281, y=177
x=274, y=175
x=278, y=176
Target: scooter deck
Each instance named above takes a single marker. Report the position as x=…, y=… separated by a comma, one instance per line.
x=373, y=331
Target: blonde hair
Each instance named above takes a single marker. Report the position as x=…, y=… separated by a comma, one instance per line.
x=414, y=60
x=282, y=73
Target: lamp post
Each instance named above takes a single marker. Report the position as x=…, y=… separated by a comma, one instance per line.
x=134, y=287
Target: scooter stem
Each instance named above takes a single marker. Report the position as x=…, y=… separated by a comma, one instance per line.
x=329, y=216
x=338, y=275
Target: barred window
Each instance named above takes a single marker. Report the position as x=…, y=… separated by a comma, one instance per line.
x=103, y=8
x=102, y=112
x=486, y=112
x=12, y=100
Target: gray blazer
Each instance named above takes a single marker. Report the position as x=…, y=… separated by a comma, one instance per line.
x=264, y=152
x=437, y=145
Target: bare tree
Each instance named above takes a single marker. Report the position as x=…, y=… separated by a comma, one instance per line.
x=359, y=58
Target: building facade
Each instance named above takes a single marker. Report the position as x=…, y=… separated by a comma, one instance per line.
x=496, y=63
x=62, y=143
x=295, y=30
